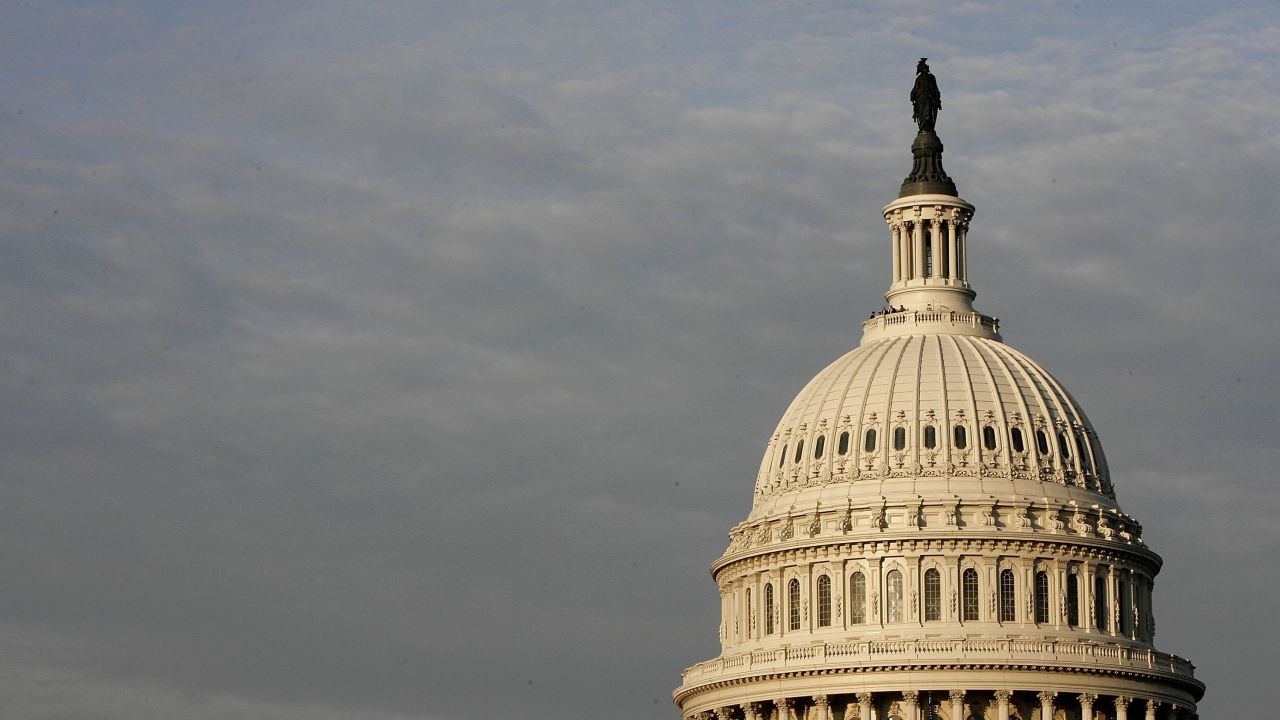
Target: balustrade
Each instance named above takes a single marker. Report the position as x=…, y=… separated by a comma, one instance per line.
x=1083, y=653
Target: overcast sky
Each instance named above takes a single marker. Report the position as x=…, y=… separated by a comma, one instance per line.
x=412, y=360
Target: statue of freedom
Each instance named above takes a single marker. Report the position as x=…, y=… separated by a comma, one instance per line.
x=926, y=100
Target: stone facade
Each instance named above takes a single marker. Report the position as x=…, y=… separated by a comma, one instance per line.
x=935, y=533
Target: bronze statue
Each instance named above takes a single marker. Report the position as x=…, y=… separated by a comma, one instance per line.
x=926, y=100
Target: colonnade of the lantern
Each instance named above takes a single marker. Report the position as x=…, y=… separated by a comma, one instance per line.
x=953, y=704
x=929, y=245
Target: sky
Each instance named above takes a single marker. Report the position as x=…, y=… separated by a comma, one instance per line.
x=404, y=360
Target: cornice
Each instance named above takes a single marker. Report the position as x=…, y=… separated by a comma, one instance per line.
x=1023, y=546
x=1183, y=682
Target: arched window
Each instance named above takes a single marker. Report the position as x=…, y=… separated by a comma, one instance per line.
x=793, y=605
x=1008, y=605
x=857, y=598
x=749, y=618
x=870, y=444
x=899, y=438
x=844, y=443
x=932, y=595
x=824, y=601
x=768, y=609
x=1063, y=446
x=1015, y=437
x=960, y=438
x=1042, y=597
x=819, y=445
x=1042, y=442
x=799, y=451
x=1100, y=602
x=1084, y=453
x=782, y=456
x=930, y=437
x=893, y=597
x=969, y=589
x=989, y=437
x=1122, y=602
x=1073, y=600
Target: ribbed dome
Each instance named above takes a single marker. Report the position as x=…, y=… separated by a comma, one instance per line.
x=970, y=410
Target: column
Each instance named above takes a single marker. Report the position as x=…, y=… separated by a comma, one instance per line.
x=957, y=704
x=1086, y=706
x=951, y=249
x=1151, y=709
x=1122, y=707
x=864, y=706
x=1057, y=587
x=823, y=707
x=1085, y=596
x=1046, y=704
x=935, y=246
x=917, y=249
x=784, y=709
x=1112, y=597
x=912, y=698
x=962, y=247
x=724, y=713
x=896, y=233
x=907, y=258
x=753, y=711
x=1002, y=709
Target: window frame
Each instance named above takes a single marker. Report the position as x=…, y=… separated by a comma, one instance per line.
x=1008, y=596
x=858, y=598
x=768, y=608
x=969, y=592
x=1042, y=597
x=932, y=595
x=893, y=604
x=824, y=601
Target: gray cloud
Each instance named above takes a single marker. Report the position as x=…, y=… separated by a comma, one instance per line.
x=415, y=363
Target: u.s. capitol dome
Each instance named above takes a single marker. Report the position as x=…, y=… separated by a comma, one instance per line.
x=934, y=531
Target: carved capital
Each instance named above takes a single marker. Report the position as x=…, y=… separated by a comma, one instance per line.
x=1122, y=702
x=956, y=695
x=821, y=701
x=1046, y=697
x=1004, y=696
x=911, y=696
x=864, y=698
x=724, y=713
x=1086, y=699
x=1153, y=705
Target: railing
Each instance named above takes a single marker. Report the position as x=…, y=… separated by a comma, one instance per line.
x=920, y=317
x=1069, y=653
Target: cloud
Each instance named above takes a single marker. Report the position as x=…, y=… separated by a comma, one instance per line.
x=415, y=362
